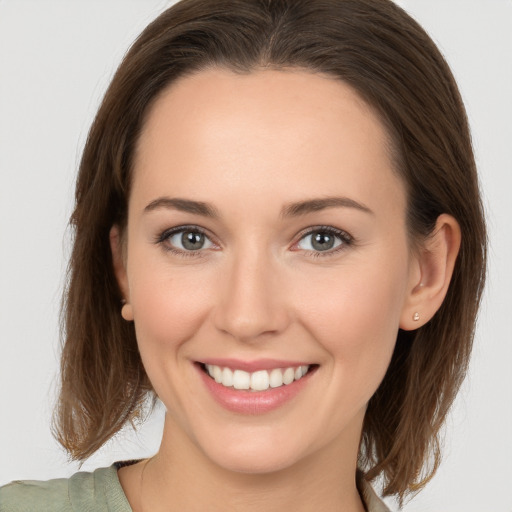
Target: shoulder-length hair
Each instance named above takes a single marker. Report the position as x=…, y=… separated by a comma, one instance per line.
x=384, y=55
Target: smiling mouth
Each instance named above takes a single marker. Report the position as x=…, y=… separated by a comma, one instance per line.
x=261, y=380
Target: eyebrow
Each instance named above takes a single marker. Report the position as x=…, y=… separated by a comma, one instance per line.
x=183, y=205
x=290, y=210
x=315, y=205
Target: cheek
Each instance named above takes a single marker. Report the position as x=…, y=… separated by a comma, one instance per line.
x=169, y=309
x=169, y=306
x=354, y=314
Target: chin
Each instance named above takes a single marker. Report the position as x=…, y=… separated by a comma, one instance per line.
x=256, y=465
x=253, y=459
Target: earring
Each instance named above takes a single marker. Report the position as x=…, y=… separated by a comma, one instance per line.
x=416, y=316
x=126, y=311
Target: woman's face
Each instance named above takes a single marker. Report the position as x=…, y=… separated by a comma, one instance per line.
x=266, y=235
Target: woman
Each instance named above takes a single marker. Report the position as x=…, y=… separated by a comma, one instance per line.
x=279, y=234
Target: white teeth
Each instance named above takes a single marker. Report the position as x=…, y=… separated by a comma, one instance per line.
x=227, y=377
x=288, y=375
x=276, y=378
x=260, y=380
x=241, y=379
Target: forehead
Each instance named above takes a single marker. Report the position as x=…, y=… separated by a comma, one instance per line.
x=291, y=131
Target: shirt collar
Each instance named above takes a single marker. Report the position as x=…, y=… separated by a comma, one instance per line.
x=370, y=499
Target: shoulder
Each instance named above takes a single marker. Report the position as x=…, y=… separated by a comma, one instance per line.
x=32, y=495
x=84, y=491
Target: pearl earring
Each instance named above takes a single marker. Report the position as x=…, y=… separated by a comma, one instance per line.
x=126, y=311
x=416, y=316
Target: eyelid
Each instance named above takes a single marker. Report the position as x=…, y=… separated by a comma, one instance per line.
x=161, y=238
x=346, y=238
x=166, y=233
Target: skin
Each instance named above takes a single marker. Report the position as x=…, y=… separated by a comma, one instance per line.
x=249, y=145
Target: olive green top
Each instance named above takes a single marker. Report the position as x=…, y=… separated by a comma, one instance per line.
x=99, y=491
x=83, y=492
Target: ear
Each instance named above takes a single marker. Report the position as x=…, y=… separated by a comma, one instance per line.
x=119, y=264
x=432, y=273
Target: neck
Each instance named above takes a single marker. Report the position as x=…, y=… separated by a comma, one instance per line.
x=181, y=477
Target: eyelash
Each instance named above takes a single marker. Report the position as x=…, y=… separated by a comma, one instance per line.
x=165, y=235
x=346, y=240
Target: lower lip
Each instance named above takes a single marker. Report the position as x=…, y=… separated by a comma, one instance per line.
x=253, y=402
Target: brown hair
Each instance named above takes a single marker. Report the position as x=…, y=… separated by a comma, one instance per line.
x=375, y=47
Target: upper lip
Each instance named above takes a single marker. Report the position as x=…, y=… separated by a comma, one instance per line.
x=253, y=366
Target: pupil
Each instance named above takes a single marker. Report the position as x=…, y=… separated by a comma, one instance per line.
x=192, y=241
x=322, y=241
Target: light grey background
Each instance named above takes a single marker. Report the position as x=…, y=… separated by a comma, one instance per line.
x=56, y=59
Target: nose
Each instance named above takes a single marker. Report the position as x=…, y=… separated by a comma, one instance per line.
x=252, y=302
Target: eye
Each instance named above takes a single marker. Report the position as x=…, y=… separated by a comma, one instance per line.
x=324, y=239
x=185, y=239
